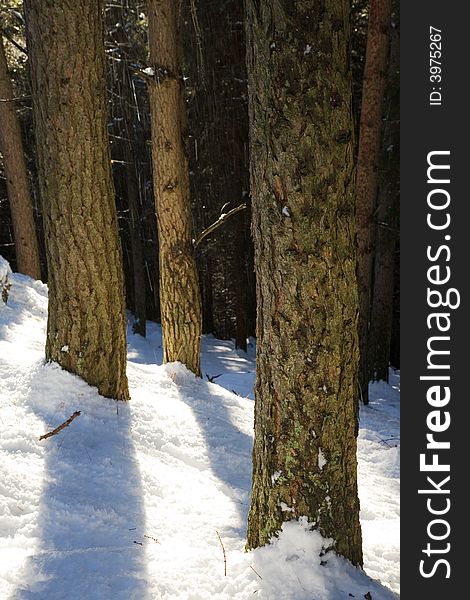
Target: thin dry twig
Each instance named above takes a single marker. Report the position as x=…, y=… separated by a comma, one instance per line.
x=223, y=550
x=220, y=221
x=65, y=424
x=253, y=569
x=151, y=538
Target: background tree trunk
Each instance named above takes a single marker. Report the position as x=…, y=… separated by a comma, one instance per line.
x=21, y=208
x=302, y=183
x=180, y=302
x=387, y=223
x=218, y=158
x=86, y=322
x=368, y=168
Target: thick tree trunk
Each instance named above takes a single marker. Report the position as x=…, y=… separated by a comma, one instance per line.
x=368, y=168
x=302, y=182
x=387, y=224
x=21, y=208
x=86, y=321
x=180, y=301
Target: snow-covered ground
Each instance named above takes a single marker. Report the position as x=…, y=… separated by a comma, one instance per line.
x=129, y=501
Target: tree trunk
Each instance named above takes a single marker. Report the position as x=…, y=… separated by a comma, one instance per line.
x=387, y=225
x=368, y=168
x=302, y=182
x=21, y=208
x=180, y=302
x=218, y=115
x=135, y=209
x=86, y=321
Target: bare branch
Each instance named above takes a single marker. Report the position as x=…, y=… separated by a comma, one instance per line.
x=65, y=424
x=220, y=221
x=17, y=99
x=141, y=74
x=14, y=42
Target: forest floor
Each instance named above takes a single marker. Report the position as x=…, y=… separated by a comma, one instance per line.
x=149, y=499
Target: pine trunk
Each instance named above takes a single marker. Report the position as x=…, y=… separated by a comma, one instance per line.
x=302, y=183
x=368, y=168
x=21, y=208
x=86, y=320
x=180, y=302
x=135, y=208
x=218, y=115
x=387, y=225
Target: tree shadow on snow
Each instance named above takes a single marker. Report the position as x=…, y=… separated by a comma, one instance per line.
x=229, y=449
x=91, y=519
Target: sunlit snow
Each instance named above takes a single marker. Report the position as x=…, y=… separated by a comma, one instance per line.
x=129, y=500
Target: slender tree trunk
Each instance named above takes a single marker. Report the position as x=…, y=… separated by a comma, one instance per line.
x=180, y=302
x=86, y=320
x=387, y=224
x=218, y=117
x=21, y=208
x=137, y=247
x=135, y=211
x=302, y=182
x=368, y=168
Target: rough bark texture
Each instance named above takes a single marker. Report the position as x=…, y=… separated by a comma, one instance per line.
x=180, y=302
x=11, y=148
x=86, y=320
x=368, y=167
x=387, y=224
x=302, y=182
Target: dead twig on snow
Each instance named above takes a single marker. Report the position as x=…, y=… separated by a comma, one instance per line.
x=65, y=424
x=223, y=550
x=255, y=571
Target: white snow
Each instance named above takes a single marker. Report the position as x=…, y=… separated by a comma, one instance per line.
x=126, y=501
x=321, y=459
x=5, y=274
x=286, y=508
x=5, y=270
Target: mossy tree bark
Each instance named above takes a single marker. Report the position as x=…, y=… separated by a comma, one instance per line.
x=368, y=159
x=86, y=320
x=302, y=183
x=180, y=301
x=19, y=196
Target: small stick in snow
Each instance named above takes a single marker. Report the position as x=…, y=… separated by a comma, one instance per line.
x=223, y=550
x=151, y=538
x=65, y=424
x=253, y=569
